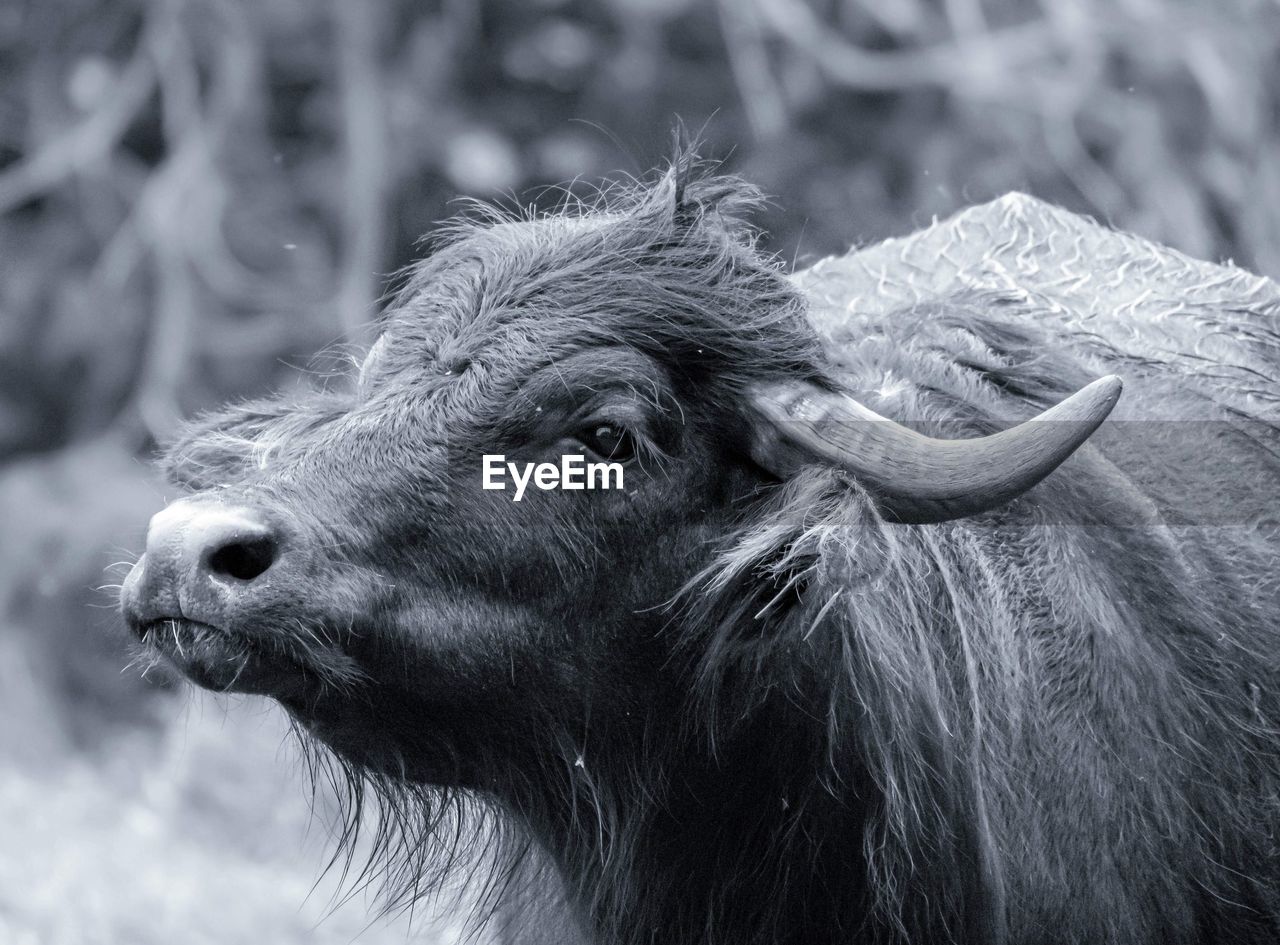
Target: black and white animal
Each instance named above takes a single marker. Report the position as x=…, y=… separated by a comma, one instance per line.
x=812, y=676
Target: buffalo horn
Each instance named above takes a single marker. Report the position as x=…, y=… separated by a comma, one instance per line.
x=916, y=478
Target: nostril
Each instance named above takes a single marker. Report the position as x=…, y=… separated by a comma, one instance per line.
x=244, y=559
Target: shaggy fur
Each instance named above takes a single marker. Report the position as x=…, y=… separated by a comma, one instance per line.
x=762, y=714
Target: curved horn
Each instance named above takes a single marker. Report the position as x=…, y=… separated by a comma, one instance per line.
x=917, y=478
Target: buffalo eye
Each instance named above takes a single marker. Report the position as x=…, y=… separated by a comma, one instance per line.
x=609, y=441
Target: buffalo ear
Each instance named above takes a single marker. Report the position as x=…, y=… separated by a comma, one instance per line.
x=916, y=478
x=685, y=167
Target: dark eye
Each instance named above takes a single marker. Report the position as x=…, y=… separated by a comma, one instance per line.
x=609, y=441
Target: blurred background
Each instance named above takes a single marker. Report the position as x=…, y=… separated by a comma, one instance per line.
x=197, y=196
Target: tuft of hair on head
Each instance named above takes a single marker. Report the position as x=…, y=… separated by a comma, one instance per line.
x=670, y=266
x=693, y=189
x=723, y=307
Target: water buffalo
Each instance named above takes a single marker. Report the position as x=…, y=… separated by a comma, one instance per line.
x=811, y=676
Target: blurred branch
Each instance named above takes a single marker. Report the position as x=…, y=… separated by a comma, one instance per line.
x=88, y=142
x=1091, y=178
x=162, y=214
x=871, y=70
x=752, y=72
x=966, y=18
x=364, y=138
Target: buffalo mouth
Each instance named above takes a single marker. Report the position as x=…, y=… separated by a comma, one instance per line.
x=223, y=660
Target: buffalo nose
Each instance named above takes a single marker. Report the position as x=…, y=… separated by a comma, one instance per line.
x=205, y=560
x=212, y=540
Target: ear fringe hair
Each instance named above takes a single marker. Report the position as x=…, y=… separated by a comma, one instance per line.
x=822, y=590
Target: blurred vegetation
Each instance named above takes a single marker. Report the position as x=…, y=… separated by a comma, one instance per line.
x=198, y=195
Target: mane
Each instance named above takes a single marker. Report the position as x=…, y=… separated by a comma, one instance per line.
x=941, y=663
x=879, y=632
